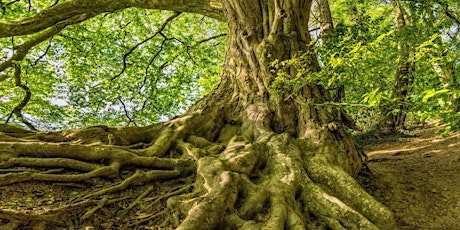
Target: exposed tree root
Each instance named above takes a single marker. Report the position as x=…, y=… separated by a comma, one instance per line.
x=234, y=182
x=137, y=201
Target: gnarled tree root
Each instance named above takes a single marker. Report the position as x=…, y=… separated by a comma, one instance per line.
x=275, y=181
x=293, y=190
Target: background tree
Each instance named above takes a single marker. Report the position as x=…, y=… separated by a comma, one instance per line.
x=245, y=157
x=368, y=47
x=395, y=115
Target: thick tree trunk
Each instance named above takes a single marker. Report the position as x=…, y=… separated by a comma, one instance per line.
x=256, y=161
x=307, y=158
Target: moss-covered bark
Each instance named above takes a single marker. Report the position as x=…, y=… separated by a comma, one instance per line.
x=265, y=181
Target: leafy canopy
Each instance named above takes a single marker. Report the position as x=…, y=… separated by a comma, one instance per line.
x=137, y=67
x=132, y=67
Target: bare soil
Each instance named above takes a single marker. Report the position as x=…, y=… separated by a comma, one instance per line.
x=417, y=177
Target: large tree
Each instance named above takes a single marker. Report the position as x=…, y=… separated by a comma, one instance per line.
x=249, y=159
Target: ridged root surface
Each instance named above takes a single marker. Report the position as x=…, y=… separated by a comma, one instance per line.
x=167, y=176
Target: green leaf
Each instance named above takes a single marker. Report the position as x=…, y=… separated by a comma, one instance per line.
x=432, y=92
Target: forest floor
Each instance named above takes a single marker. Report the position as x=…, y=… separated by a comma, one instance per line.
x=417, y=176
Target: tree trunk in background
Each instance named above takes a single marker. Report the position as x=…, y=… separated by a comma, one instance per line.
x=326, y=26
x=326, y=23
x=338, y=92
x=395, y=113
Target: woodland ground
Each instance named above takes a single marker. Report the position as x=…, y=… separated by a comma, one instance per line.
x=416, y=175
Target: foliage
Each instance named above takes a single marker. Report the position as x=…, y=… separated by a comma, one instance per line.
x=124, y=68
x=363, y=52
x=141, y=73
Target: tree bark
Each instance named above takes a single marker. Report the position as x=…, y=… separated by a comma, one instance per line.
x=254, y=160
x=394, y=114
x=326, y=24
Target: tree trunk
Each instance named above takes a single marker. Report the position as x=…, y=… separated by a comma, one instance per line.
x=394, y=114
x=326, y=23
x=326, y=26
x=255, y=161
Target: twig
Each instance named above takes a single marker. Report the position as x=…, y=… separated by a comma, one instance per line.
x=150, y=63
x=450, y=15
x=44, y=54
x=343, y=104
x=209, y=39
x=55, y=3
x=125, y=56
x=126, y=112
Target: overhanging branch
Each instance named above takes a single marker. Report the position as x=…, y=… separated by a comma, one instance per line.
x=84, y=9
x=87, y=9
x=23, y=49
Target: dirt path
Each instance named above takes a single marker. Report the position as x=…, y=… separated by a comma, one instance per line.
x=418, y=178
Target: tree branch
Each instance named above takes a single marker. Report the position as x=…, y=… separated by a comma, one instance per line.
x=18, y=109
x=126, y=112
x=450, y=14
x=209, y=8
x=130, y=51
x=23, y=49
x=91, y=8
x=84, y=9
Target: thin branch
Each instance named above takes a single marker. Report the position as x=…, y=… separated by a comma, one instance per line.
x=451, y=15
x=162, y=27
x=343, y=104
x=43, y=55
x=76, y=42
x=209, y=39
x=3, y=7
x=126, y=112
x=55, y=3
x=144, y=104
x=23, y=49
x=11, y=3
x=150, y=63
x=18, y=109
x=199, y=43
